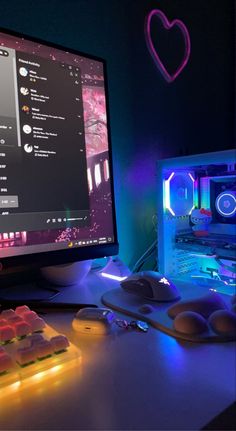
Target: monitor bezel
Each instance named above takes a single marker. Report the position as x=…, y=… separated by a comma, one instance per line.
x=64, y=256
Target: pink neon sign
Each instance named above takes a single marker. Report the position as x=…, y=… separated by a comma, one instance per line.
x=167, y=25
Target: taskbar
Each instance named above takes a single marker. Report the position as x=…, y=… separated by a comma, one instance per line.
x=9, y=250
x=84, y=242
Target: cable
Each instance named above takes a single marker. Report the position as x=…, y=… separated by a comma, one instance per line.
x=143, y=258
x=147, y=254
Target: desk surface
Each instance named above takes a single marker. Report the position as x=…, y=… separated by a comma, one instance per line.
x=127, y=380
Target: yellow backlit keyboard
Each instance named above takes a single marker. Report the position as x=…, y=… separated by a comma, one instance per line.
x=29, y=349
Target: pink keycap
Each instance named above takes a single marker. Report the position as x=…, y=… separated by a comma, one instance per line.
x=37, y=324
x=3, y=322
x=5, y=314
x=28, y=316
x=12, y=320
x=7, y=333
x=22, y=329
x=5, y=362
x=60, y=342
x=22, y=309
x=44, y=349
x=26, y=355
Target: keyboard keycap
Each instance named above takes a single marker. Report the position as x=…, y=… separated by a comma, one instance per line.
x=22, y=309
x=26, y=355
x=22, y=329
x=7, y=333
x=44, y=349
x=5, y=362
x=60, y=343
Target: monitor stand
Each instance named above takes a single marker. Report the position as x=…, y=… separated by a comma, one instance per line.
x=67, y=274
x=39, y=288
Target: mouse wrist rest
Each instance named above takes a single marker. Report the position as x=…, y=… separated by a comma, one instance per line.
x=204, y=305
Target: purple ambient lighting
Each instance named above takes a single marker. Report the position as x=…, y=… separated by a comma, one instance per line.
x=167, y=25
x=113, y=277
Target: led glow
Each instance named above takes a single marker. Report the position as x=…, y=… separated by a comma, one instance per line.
x=10, y=389
x=205, y=192
x=190, y=175
x=212, y=256
x=55, y=369
x=106, y=170
x=167, y=198
x=113, y=277
x=90, y=181
x=21, y=378
x=198, y=276
x=231, y=198
x=167, y=25
x=164, y=281
x=207, y=278
x=167, y=194
x=97, y=174
x=39, y=375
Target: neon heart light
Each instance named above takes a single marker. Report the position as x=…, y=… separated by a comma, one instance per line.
x=167, y=25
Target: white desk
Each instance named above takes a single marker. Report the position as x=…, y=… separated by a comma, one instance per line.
x=127, y=380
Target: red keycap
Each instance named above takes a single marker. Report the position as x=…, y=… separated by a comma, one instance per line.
x=7, y=333
x=28, y=316
x=5, y=314
x=3, y=322
x=21, y=309
x=37, y=324
x=22, y=328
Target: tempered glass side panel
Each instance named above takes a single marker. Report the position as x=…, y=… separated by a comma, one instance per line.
x=197, y=219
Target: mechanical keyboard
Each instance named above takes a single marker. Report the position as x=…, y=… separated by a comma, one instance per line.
x=30, y=349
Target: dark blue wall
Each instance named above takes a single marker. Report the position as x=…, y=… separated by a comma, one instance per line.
x=150, y=119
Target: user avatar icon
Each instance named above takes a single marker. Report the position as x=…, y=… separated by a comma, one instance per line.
x=24, y=91
x=25, y=109
x=23, y=71
x=27, y=129
x=28, y=148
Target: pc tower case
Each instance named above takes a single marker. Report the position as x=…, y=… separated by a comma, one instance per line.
x=196, y=211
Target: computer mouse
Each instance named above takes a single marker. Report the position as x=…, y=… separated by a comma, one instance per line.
x=223, y=322
x=151, y=285
x=146, y=309
x=190, y=322
x=204, y=305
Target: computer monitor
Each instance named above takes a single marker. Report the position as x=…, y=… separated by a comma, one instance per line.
x=56, y=185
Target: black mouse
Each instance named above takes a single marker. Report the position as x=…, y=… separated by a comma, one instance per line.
x=151, y=285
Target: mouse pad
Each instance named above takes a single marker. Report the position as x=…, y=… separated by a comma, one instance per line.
x=129, y=304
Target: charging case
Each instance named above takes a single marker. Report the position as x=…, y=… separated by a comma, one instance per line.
x=93, y=321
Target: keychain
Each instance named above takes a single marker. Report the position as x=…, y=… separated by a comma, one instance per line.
x=134, y=324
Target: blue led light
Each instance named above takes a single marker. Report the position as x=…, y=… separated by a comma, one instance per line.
x=226, y=203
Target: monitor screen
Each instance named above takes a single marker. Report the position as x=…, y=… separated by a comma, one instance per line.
x=56, y=186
